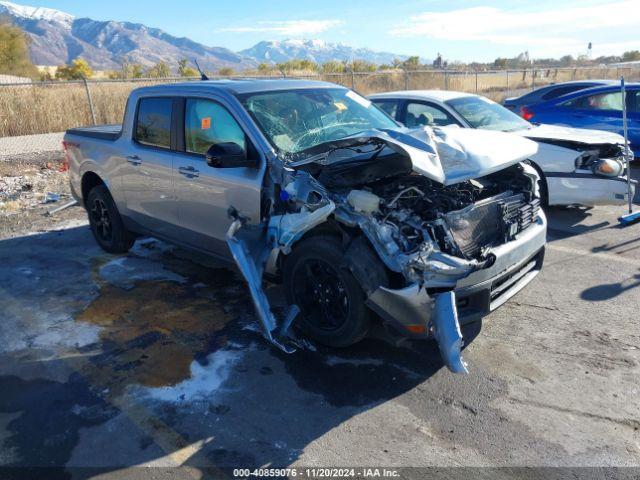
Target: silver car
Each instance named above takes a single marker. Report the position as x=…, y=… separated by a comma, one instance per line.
x=316, y=187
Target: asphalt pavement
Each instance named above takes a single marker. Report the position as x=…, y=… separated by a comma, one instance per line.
x=149, y=364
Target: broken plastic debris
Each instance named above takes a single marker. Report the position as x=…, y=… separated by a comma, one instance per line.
x=288, y=228
x=72, y=203
x=51, y=197
x=447, y=332
x=252, y=268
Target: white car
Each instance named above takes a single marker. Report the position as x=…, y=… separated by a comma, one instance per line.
x=577, y=166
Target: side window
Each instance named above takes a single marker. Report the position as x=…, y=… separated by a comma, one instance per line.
x=153, y=123
x=601, y=101
x=390, y=107
x=208, y=123
x=420, y=114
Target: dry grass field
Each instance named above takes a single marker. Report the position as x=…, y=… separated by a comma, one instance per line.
x=54, y=107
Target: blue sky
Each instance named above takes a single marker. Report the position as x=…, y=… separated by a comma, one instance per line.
x=460, y=30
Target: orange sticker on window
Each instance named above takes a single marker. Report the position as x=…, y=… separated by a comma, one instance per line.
x=205, y=123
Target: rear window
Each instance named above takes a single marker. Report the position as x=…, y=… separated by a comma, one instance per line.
x=558, y=92
x=153, y=124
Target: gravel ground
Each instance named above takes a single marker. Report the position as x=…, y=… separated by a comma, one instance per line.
x=29, y=189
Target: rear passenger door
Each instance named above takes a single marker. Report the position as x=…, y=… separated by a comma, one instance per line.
x=205, y=193
x=147, y=175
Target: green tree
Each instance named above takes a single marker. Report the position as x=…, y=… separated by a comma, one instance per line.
x=132, y=70
x=363, y=66
x=45, y=75
x=226, y=72
x=264, y=68
x=184, y=70
x=631, y=56
x=159, y=70
x=411, y=63
x=78, y=69
x=500, y=63
x=14, y=52
x=297, y=65
x=333, y=66
x=567, y=60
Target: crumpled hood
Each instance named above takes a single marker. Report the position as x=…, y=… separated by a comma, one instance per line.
x=581, y=135
x=451, y=155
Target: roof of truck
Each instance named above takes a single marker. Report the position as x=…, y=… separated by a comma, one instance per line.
x=245, y=85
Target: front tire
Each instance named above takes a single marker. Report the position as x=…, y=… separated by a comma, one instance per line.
x=331, y=301
x=105, y=221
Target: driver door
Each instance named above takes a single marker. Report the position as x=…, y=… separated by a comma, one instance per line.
x=205, y=193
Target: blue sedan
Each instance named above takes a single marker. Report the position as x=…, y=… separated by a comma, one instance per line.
x=549, y=92
x=598, y=108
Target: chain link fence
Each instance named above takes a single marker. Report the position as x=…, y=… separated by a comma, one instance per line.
x=43, y=107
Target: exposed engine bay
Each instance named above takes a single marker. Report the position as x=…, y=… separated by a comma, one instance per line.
x=415, y=210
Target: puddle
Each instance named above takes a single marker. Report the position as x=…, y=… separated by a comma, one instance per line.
x=151, y=332
x=205, y=379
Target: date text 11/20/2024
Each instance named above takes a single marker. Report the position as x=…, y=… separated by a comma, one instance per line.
x=311, y=473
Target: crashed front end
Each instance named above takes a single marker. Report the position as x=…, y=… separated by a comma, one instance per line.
x=462, y=250
x=453, y=217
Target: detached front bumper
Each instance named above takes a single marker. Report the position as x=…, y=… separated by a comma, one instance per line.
x=411, y=309
x=585, y=188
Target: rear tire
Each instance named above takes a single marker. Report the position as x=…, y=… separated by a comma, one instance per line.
x=331, y=301
x=105, y=221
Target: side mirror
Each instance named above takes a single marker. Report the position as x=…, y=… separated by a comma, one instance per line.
x=228, y=155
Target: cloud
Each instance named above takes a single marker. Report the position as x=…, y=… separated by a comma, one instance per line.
x=561, y=28
x=287, y=27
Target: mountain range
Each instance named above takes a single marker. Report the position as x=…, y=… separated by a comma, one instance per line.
x=317, y=51
x=56, y=38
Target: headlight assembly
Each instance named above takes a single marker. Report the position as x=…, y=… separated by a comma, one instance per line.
x=607, y=167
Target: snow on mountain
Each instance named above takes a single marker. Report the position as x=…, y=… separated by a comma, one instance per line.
x=58, y=38
x=317, y=51
x=35, y=13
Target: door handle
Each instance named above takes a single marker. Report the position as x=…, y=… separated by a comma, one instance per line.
x=134, y=159
x=189, y=172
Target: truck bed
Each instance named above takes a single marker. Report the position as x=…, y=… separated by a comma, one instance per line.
x=101, y=132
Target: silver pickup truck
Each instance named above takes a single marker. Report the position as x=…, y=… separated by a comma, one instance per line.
x=310, y=184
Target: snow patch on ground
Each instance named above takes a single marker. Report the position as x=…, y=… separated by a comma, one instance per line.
x=34, y=328
x=205, y=381
x=150, y=248
x=124, y=272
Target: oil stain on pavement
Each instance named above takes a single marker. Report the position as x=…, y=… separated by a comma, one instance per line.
x=151, y=333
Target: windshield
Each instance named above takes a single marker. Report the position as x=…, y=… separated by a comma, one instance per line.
x=482, y=113
x=296, y=120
